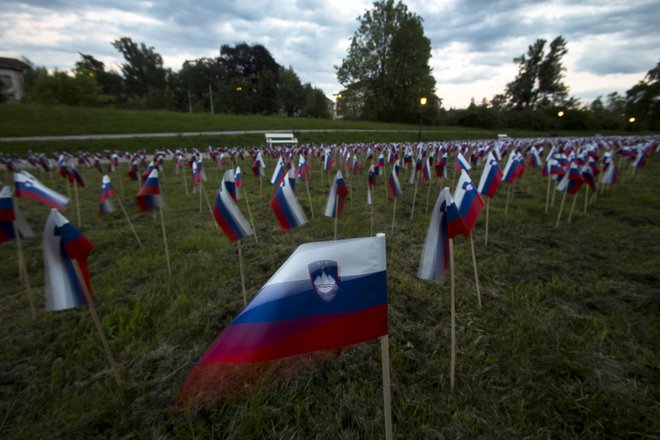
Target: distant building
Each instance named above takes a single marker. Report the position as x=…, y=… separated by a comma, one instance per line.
x=12, y=78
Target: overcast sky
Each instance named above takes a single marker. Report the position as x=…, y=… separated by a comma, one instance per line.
x=611, y=43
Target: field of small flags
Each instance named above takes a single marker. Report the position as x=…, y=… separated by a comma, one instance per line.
x=557, y=286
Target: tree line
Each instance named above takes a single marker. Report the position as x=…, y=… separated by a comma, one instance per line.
x=243, y=79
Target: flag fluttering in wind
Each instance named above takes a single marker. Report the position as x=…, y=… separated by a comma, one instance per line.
x=338, y=192
x=462, y=163
x=149, y=198
x=490, y=177
x=28, y=187
x=259, y=166
x=394, y=184
x=286, y=208
x=63, y=243
x=326, y=295
x=469, y=202
x=107, y=192
x=226, y=212
x=572, y=181
x=10, y=213
x=196, y=177
x=445, y=220
x=278, y=173
x=238, y=182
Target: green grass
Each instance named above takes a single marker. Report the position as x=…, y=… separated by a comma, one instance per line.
x=565, y=346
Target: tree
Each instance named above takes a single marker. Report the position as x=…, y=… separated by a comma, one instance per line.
x=539, y=83
x=386, y=69
x=111, y=82
x=290, y=92
x=143, y=69
x=315, y=103
x=643, y=100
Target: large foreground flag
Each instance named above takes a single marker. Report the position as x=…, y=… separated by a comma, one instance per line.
x=445, y=219
x=63, y=243
x=226, y=212
x=286, y=208
x=338, y=192
x=28, y=187
x=469, y=202
x=326, y=295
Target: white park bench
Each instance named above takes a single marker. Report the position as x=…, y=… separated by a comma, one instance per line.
x=280, y=138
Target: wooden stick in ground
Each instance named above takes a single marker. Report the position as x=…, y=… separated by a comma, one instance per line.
x=570, y=213
x=247, y=202
x=241, y=270
x=476, y=275
x=97, y=322
x=121, y=205
x=552, y=200
x=561, y=209
x=508, y=198
x=428, y=196
x=393, y=214
x=200, y=194
x=387, y=398
x=452, y=298
x=412, y=210
x=309, y=197
x=75, y=192
x=121, y=181
x=167, y=252
x=487, y=210
x=547, y=195
x=208, y=202
x=22, y=270
x=185, y=183
x=336, y=215
x=586, y=198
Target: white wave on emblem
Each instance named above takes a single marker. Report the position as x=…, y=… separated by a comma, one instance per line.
x=326, y=287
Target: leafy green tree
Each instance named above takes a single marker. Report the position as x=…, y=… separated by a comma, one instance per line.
x=539, y=83
x=143, y=69
x=61, y=88
x=386, y=70
x=111, y=82
x=643, y=100
x=290, y=92
x=315, y=103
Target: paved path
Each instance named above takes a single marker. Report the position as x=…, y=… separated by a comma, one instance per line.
x=83, y=137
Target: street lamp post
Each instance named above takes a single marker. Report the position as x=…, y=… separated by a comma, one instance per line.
x=422, y=103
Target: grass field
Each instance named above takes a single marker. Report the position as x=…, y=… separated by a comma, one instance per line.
x=565, y=346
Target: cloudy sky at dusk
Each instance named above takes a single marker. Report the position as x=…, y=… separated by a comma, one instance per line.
x=611, y=43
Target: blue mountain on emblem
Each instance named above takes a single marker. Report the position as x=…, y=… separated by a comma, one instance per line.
x=324, y=275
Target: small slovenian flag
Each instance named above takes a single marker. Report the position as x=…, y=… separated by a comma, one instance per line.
x=226, y=211
x=196, y=177
x=107, y=192
x=28, y=187
x=490, y=177
x=63, y=243
x=278, y=173
x=535, y=158
x=286, y=208
x=572, y=181
x=610, y=175
x=325, y=296
x=338, y=192
x=133, y=170
x=509, y=174
x=149, y=198
x=356, y=164
x=302, y=171
x=441, y=166
x=426, y=170
x=640, y=160
x=7, y=215
x=446, y=223
x=393, y=182
x=469, y=202
x=258, y=166
x=238, y=182
x=461, y=163
x=327, y=161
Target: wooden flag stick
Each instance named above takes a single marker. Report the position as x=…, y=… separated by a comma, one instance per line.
x=570, y=213
x=561, y=209
x=208, y=202
x=22, y=270
x=121, y=205
x=487, y=210
x=75, y=192
x=393, y=214
x=121, y=181
x=476, y=275
x=261, y=194
x=167, y=252
x=185, y=183
x=201, y=185
x=336, y=214
x=452, y=361
x=387, y=398
x=586, y=198
x=240, y=269
x=247, y=202
x=97, y=322
x=412, y=211
x=428, y=196
x=552, y=200
x=309, y=197
x=547, y=195
x=508, y=198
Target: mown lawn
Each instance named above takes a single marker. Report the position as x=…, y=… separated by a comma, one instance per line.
x=566, y=345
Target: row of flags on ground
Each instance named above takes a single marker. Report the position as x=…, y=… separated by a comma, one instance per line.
x=327, y=294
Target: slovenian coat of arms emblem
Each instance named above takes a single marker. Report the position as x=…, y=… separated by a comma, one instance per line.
x=324, y=275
